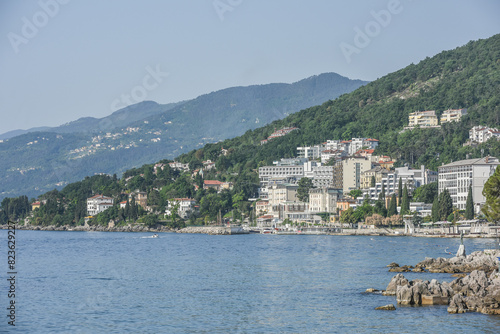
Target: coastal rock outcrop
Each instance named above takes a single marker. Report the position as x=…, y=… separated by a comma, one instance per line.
x=479, y=260
x=477, y=292
x=392, y=287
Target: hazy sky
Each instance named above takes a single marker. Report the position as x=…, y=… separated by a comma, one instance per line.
x=61, y=60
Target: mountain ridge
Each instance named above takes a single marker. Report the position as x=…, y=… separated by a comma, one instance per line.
x=48, y=160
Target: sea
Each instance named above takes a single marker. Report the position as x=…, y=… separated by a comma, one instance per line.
x=111, y=282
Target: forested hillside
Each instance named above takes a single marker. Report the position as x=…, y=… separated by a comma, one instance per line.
x=466, y=77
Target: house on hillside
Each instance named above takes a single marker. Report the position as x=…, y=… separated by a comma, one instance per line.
x=423, y=119
x=98, y=203
x=141, y=198
x=217, y=185
x=186, y=205
x=453, y=115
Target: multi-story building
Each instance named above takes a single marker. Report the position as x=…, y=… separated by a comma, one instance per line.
x=459, y=175
x=359, y=143
x=453, y=115
x=422, y=119
x=98, y=203
x=410, y=177
x=141, y=198
x=262, y=207
x=377, y=173
x=310, y=152
x=186, y=205
x=352, y=168
x=324, y=199
x=268, y=172
x=322, y=176
x=482, y=134
x=280, y=193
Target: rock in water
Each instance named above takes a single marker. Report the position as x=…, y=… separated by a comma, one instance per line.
x=389, y=307
x=398, y=280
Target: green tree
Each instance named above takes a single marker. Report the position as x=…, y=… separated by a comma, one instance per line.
x=348, y=217
x=400, y=190
x=355, y=193
x=305, y=184
x=393, y=209
x=491, y=191
x=372, y=181
x=445, y=205
x=405, y=202
x=150, y=220
x=469, y=206
x=435, y=210
x=426, y=193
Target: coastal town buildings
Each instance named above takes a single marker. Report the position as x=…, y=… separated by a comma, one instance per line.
x=98, y=203
x=411, y=177
x=459, y=175
x=452, y=115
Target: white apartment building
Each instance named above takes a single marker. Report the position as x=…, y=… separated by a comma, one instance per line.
x=453, y=115
x=459, y=175
x=98, y=203
x=322, y=176
x=412, y=178
x=186, y=205
x=326, y=155
x=309, y=152
x=482, y=134
x=268, y=172
x=324, y=199
x=359, y=143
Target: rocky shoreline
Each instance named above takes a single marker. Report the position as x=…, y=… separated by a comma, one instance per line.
x=478, y=291
x=211, y=230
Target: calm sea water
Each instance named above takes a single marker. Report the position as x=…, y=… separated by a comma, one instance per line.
x=93, y=282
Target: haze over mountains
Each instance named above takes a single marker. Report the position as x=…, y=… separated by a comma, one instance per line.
x=37, y=161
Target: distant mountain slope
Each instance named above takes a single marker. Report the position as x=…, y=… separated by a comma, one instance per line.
x=34, y=163
x=120, y=118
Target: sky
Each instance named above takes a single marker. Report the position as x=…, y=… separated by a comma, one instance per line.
x=65, y=59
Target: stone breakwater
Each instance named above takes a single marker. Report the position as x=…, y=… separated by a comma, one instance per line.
x=213, y=230
x=478, y=291
x=128, y=228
